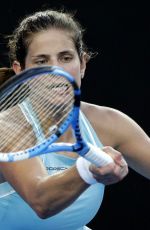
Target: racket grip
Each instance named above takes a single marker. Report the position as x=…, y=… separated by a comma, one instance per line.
x=97, y=157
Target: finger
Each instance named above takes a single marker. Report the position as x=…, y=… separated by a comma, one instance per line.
x=116, y=155
x=113, y=171
x=105, y=170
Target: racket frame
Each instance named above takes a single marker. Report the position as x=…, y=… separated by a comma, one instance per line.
x=46, y=146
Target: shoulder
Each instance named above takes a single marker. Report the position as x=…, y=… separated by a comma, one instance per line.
x=103, y=119
x=100, y=114
x=111, y=125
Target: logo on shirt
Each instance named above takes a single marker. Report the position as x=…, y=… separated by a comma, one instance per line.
x=56, y=168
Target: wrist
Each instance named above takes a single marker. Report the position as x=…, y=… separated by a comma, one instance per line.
x=82, y=166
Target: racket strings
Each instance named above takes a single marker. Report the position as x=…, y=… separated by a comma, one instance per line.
x=51, y=98
x=50, y=110
x=14, y=98
x=13, y=131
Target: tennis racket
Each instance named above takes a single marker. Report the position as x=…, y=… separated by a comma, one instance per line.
x=45, y=97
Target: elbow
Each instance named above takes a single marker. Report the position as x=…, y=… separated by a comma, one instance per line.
x=45, y=213
x=42, y=207
x=44, y=203
x=40, y=200
x=38, y=203
x=42, y=213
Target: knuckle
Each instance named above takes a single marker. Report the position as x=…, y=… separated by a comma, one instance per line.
x=107, y=148
x=101, y=172
x=120, y=174
x=112, y=167
x=119, y=157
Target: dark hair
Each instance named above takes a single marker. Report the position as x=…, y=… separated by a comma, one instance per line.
x=40, y=21
x=5, y=74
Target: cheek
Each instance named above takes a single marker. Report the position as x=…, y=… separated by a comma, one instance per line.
x=28, y=63
x=75, y=73
x=77, y=76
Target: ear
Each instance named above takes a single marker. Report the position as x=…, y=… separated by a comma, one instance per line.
x=83, y=64
x=16, y=67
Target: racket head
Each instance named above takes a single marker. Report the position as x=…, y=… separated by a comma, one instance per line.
x=49, y=92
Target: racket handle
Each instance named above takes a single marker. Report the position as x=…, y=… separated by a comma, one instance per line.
x=95, y=156
x=98, y=157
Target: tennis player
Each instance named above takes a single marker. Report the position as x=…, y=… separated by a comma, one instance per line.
x=62, y=191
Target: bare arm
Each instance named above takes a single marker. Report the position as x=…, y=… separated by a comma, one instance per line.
x=47, y=195
x=135, y=146
x=119, y=131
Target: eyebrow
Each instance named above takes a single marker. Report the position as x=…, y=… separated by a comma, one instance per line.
x=47, y=55
x=40, y=55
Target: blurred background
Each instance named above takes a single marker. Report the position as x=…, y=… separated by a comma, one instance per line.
x=117, y=77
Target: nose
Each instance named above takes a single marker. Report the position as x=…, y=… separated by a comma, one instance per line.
x=54, y=62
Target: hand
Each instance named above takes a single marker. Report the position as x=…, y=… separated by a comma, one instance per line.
x=113, y=172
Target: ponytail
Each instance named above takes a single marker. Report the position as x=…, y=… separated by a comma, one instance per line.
x=5, y=74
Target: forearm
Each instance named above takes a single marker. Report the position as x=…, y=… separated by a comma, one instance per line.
x=54, y=193
x=45, y=194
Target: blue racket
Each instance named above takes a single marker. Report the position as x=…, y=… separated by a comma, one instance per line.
x=50, y=96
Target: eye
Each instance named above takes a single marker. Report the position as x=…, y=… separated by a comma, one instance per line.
x=40, y=61
x=66, y=58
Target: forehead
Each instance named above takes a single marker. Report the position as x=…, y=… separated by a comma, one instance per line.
x=51, y=40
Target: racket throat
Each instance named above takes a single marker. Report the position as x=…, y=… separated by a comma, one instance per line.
x=81, y=148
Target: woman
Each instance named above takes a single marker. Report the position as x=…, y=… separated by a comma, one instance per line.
x=33, y=193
